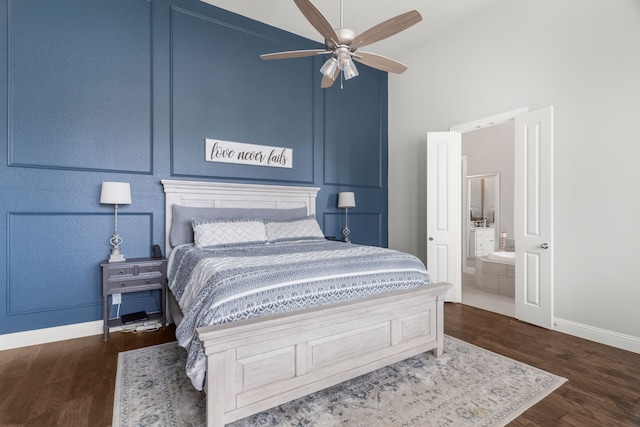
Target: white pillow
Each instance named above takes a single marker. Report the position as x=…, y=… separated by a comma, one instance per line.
x=299, y=229
x=228, y=232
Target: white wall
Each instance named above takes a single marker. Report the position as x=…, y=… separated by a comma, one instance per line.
x=582, y=57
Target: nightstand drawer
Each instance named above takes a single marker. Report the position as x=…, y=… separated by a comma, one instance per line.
x=149, y=268
x=125, y=271
x=119, y=283
x=149, y=281
x=122, y=284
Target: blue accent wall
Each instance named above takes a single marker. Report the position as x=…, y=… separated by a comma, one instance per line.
x=127, y=90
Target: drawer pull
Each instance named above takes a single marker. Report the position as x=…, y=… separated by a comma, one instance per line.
x=122, y=285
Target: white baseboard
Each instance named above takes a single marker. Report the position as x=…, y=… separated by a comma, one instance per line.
x=602, y=336
x=43, y=336
x=58, y=333
x=80, y=330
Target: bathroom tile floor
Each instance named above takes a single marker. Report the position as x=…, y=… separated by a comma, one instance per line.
x=489, y=301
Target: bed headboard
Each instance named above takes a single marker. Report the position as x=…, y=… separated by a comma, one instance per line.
x=229, y=195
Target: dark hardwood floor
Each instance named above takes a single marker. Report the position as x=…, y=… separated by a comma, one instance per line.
x=67, y=383
x=604, y=382
x=71, y=383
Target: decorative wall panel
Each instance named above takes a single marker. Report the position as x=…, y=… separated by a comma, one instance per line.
x=224, y=91
x=355, y=143
x=80, y=85
x=366, y=228
x=46, y=276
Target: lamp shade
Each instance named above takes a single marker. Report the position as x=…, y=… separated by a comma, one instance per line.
x=346, y=199
x=115, y=193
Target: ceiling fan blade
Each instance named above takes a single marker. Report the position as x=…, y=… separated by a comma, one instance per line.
x=317, y=19
x=386, y=29
x=328, y=81
x=293, y=54
x=379, y=62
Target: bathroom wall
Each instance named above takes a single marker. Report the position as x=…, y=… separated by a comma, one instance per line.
x=491, y=150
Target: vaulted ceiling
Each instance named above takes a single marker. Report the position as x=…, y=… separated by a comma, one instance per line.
x=359, y=15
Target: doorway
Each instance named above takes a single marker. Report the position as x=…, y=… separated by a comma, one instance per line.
x=533, y=211
x=488, y=150
x=488, y=200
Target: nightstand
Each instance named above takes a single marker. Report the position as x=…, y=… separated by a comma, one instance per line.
x=133, y=275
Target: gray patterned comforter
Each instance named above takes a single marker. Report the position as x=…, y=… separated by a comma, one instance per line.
x=219, y=285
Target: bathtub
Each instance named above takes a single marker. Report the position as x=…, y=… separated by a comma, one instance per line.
x=496, y=273
x=506, y=257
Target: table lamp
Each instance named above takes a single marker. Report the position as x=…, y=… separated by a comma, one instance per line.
x=346, y=200
x=115, y=193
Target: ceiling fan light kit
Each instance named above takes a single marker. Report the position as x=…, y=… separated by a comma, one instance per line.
x=342, y=43
x=346, y=64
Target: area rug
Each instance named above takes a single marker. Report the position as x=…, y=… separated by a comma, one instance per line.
x=466, y=386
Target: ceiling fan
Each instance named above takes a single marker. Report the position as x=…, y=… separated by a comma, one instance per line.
x=343, y=44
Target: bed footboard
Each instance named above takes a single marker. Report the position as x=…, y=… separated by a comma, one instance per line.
x=257, y=364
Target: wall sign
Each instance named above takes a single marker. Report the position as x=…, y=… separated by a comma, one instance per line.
x=247, y=154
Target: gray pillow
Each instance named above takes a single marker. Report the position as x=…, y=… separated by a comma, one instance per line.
x=182, y=229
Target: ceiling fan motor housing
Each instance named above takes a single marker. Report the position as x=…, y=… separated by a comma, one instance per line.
x=345, y=36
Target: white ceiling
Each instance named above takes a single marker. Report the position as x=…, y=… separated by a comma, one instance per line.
x=360, y=15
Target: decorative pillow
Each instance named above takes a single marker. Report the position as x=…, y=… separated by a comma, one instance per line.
x=299, y=229
x=228, y=232
x=182, y=229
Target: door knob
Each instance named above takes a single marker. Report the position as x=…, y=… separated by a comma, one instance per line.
x=544, y=246
x=431, y=239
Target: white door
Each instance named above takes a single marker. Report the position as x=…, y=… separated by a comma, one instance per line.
x=533, y=228
x=444, y=260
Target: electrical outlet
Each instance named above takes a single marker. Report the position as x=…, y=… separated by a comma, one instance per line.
x=116, y=299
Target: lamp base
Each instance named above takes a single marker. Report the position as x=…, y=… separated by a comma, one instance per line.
x=116, y=255
x=345, y=233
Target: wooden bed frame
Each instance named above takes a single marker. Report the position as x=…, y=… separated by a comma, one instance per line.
x=257, y=364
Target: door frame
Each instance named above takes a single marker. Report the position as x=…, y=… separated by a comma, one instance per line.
x=475, y=125
x=534, y=279
x=489, y=121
